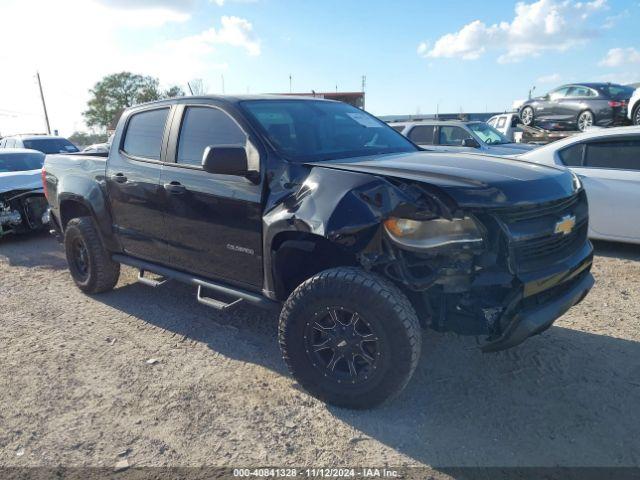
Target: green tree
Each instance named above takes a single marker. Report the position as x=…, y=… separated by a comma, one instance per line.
x=84, y=139
x=118, y=91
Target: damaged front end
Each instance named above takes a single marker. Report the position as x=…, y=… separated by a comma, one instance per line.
x=477, y=259
x=503, y=273
x=23, y=211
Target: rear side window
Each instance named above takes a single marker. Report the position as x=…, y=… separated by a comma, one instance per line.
x=145, y=132
x=617, y=154
x=203, y=127
x=572, y=156
x=422, y=134
x=397, y=128
x=502, y=121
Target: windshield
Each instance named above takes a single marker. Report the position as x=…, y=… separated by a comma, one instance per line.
x=487, y=133
x=18, y=162
x=50, y=145
x=307, y=130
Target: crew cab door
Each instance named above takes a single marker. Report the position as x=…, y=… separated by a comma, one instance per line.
x=213, y=222
x=550, y=108
x=133, y=183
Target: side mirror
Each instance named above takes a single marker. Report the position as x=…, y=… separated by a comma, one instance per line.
x=225, y=160
x=470, y=142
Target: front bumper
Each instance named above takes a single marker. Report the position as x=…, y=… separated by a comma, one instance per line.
x=534, y=320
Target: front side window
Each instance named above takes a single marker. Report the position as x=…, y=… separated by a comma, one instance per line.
x=314, y=130
x=559, y=93
x=453, y=135
x=145, y=132
x=572, y=156
x=487, y=133
x=501, y=122
x=422, y=134
x=398, y=128
x=203, y=127
x=615, y=154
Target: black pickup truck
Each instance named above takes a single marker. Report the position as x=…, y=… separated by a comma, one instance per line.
x=324, y=213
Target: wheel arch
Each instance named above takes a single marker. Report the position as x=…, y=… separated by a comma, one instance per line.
x=297, y=256
x=74, y=206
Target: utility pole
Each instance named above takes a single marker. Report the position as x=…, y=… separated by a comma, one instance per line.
x=290, y=84
x=222, y=78
x=190, y=89
x=364, y=84
x=44, y=105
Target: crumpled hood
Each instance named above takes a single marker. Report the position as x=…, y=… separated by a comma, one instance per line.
x=26, y=180
x=472, y=180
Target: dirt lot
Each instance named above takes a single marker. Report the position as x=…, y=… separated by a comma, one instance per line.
x=76, y=388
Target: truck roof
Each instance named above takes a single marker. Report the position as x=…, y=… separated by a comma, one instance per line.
x=233, y=99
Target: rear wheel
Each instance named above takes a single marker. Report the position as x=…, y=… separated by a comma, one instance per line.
x=90, y=264
x=527, y=116
x=350, y=337
x=585, y=120
x=635, y=117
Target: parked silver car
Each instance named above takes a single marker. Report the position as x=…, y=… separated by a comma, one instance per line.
x=459, y=136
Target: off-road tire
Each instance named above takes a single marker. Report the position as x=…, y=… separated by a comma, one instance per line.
x=384, y=306
x=102, y=273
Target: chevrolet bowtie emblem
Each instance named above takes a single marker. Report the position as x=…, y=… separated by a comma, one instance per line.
x=566, y=224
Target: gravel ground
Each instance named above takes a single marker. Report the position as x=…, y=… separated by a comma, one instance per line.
x=78, y=387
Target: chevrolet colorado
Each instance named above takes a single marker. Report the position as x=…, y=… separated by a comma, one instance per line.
x=326, y=214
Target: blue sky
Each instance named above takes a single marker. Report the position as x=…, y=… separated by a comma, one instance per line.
x=416, y=55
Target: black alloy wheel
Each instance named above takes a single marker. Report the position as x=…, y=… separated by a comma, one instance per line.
x=342, y=345
x=80, y=258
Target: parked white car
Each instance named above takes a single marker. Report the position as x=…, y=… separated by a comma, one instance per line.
x=633, y=110
x=608, y=163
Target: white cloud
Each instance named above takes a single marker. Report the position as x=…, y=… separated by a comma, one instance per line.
x=235, y=31
x=104, y=39
x=174, y=5
x=542, y=26
x=423, y=49
x=618, y=57
x=552, y=78
x=221, y=3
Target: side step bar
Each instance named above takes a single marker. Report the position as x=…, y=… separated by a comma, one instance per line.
x=150, y=282
x=202, y=283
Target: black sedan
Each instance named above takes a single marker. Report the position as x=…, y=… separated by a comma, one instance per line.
x=578, y=106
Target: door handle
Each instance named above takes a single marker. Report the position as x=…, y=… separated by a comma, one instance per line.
x=119, y=178
x=175, y=188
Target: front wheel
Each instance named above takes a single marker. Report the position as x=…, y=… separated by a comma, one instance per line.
x=90, y=264
x=350, y=337
x=585, y=120
x=527, y=116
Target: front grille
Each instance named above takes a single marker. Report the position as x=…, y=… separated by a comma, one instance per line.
x=549, y=249
x=530, y=231
x=556, y=207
